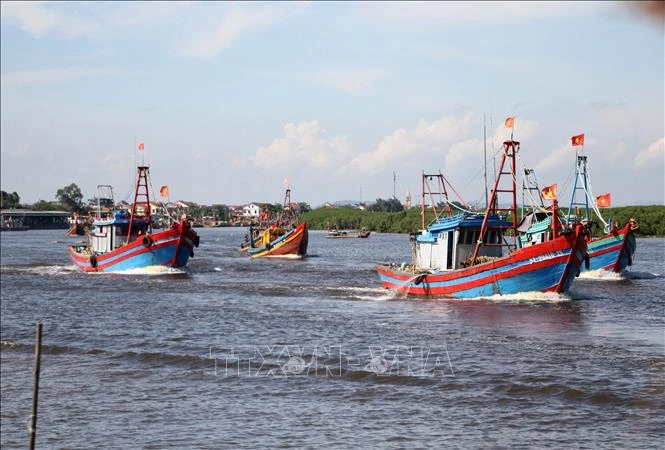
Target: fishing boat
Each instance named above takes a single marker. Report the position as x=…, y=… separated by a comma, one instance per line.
x=334, y=233
x=285, y=237
x=611, y=251
x=126, y=239
x=461, y=255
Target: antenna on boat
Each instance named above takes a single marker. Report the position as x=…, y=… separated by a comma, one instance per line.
x=394, y=185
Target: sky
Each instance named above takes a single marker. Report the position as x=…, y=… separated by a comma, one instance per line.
x=345, y=100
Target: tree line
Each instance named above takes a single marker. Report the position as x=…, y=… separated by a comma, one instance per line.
x=384, y=215
x=650, y=218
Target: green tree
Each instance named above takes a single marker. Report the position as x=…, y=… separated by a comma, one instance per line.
x=70, y=197
x=304, y=207
x=390, y=205
x=9, y=200
x=43, y=205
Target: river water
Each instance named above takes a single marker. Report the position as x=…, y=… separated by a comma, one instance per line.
x=239, y=353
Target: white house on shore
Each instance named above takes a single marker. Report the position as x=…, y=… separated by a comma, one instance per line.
x=251, y=211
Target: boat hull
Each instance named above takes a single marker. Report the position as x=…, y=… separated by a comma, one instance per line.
x=548, y=267
x=169, y=248
x=291, y=244
x=612, y=252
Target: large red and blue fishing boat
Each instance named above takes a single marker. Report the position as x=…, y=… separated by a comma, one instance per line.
x=462, y=255
x=126, y=240
x=611, y=251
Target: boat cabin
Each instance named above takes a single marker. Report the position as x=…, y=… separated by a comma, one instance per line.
x=449, y=242
x=535, y=228
x=110, y=234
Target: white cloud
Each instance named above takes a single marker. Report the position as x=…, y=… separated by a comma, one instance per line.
x=302, y=146
x=236, y=20
x=353, y=81
x=55, y=75
x=653, y=154
x=401, y=144
x=38, y=18
x=555, y=159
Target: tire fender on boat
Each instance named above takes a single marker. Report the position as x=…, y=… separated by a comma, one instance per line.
x=196, y=242
x=191, y=252
x=93, y=261
x=587, y=262
x=268, y=246
x=146, y=241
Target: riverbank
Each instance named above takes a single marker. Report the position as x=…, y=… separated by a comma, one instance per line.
x=651, y=219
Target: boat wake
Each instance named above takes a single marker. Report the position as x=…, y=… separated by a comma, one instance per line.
x=40, y=269
x=284, y=256
x=149, y=271
x=603, y=275
x=529, y=297
x=641, y=275
x=376, y=294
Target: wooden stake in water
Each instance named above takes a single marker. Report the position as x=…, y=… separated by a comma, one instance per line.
x=35, y=387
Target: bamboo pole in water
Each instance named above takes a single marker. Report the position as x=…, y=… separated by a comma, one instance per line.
x=35, y=387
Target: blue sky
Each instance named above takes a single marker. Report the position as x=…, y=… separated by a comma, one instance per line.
x=232, y=98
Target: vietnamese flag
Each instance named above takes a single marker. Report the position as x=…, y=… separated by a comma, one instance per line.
x=141, y=146
x=604, y=201
x=549, y=192
x=164, y=191
x=577, y=140
x=510, y=122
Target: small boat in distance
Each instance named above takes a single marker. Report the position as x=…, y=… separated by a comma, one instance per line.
x=126, y=239
x=286, y=237
x=461, y=255
x=334, y=233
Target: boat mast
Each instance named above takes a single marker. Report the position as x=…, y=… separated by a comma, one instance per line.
x=580, y=172
x=141, y=191
x=510, y=149
x=422, y=203
x=485, y=159
x=286, y=208
x=530, y=184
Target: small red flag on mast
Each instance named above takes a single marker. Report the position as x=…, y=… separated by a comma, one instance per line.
x=577, y=140
x=164, y=191
x=141, y=146
x=510, y=122
x=604, y=201
x=549, y=192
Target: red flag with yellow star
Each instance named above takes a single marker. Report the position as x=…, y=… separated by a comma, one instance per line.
x=549, y=192
x=577, y=140
x=604, y=201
